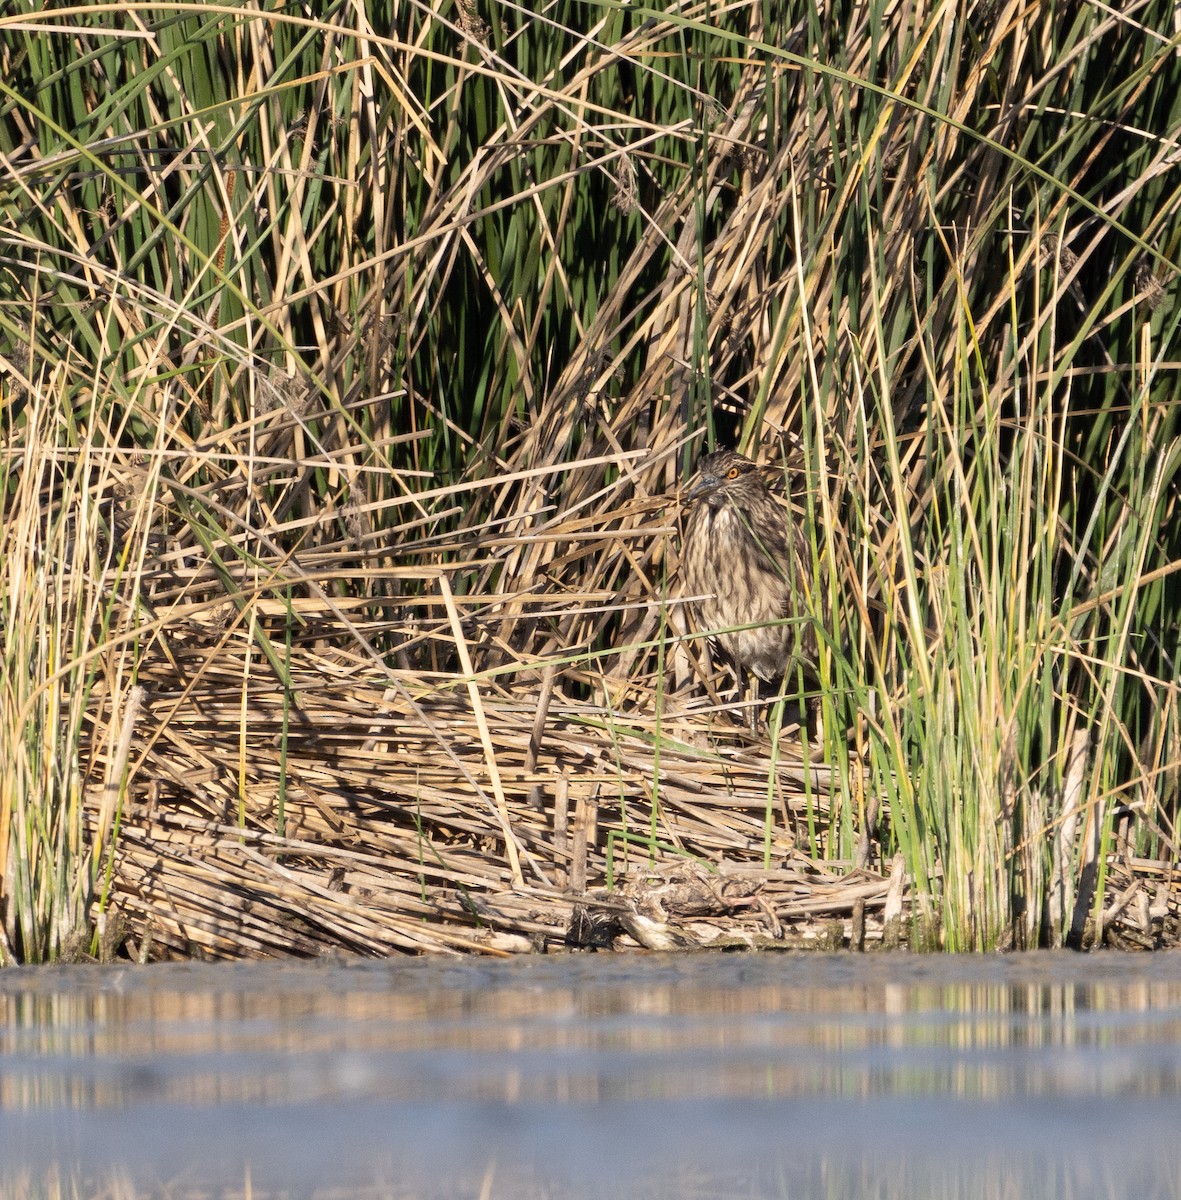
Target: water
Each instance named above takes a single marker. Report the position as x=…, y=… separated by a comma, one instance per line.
x=1045, y=1075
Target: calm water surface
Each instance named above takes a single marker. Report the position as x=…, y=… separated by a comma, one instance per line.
x=1025, y=1076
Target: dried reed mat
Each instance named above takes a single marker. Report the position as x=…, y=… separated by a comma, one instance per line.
x=409, y=809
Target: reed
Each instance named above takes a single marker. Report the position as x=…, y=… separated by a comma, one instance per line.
x=351, y=365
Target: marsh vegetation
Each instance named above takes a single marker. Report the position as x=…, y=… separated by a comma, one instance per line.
x=351, y=365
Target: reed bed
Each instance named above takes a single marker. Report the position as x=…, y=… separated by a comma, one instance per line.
x=290, y=791
x=351, y=370
x=394, y=838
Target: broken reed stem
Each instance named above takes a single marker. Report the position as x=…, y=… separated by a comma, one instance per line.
x=537, y=793
x=892, y=912
x=473, y=691
x=1088, y=875
x=114, y=784
x=1061, y=884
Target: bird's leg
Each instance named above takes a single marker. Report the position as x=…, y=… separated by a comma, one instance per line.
x=756, y=686
x=815, y=717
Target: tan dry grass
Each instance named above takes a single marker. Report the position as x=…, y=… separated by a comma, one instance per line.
x=396, y=804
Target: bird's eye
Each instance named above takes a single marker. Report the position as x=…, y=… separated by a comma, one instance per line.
x=733, y=473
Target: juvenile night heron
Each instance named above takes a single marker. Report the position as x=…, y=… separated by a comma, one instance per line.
x=747, y=565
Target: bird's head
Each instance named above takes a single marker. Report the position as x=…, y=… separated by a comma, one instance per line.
x=721, y=474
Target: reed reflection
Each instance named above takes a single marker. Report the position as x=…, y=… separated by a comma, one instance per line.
x=580, y=1030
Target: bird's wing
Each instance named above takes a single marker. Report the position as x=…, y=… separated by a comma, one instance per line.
x=769, y=533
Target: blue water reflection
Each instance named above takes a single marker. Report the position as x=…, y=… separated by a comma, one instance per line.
x=1048, y=1075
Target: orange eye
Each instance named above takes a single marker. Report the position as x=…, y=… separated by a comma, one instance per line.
x=733, y=473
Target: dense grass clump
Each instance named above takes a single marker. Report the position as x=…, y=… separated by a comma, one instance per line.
x=375, y=345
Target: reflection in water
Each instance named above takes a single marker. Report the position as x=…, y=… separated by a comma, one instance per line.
x=712, y=1075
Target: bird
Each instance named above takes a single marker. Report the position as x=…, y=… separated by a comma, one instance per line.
x=744, y=564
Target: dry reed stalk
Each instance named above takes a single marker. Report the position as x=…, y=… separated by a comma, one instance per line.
x=465, y=664
x=113, y=787
x=1063, y=889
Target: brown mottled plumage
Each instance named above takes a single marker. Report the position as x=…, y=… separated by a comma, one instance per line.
x=747, y=566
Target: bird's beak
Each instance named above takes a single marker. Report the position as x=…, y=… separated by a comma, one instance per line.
x=703, y=487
